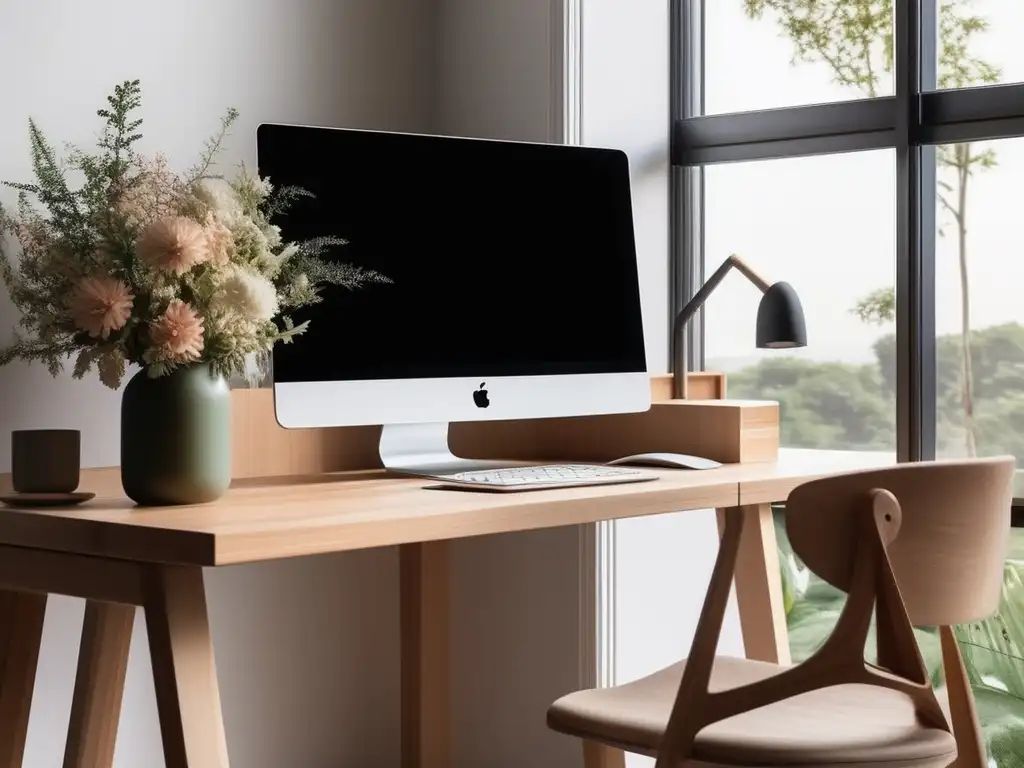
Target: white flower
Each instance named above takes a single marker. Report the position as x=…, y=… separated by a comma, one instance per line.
x=249, y=295
x=287, y=252
x=270, y=263
x=221, y=199
x=249, y=237
x=273, y=235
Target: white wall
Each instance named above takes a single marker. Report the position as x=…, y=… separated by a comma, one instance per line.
x=625, y=105
x=307, y=651
x=496, y=69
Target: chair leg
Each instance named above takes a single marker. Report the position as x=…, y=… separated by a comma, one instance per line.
x=21, y=630
x=99, y=685
x=187, y=694
x=966, y=728
x=596, y=755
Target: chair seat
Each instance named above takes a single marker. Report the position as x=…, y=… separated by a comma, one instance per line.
x=851, y=724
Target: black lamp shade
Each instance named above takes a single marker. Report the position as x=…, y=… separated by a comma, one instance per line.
x=780, y=319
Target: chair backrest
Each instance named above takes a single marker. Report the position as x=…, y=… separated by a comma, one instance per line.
x=952, y=542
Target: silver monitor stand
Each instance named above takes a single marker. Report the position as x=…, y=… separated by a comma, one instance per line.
x=422, y=450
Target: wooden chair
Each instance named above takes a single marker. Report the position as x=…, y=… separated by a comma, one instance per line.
x=917, y=544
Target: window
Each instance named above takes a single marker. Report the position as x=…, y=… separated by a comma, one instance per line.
x=827, y=226
x=980, y=43
x=910, y=51
x=738, y=33
x=979, y=316
x=869, y=152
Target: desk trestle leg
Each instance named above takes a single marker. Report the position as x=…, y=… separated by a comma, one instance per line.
x=602, y=756
x=759, y=586
x=21, y=629
x=99, y=685
x=187, y=694
x=425, y=655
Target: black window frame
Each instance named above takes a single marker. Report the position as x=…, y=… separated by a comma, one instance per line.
x=911, y=122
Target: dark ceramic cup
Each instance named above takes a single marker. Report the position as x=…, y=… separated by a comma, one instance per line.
x=45, y=460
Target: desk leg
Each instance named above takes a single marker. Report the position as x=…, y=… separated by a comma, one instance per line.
x=759, y=587
x=21, y=630
x=425, y=680
x=602, y=756
x=99, y=685
x=187, y=695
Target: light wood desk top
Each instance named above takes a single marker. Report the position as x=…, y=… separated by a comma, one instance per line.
x=763, y=482
x=266, y=519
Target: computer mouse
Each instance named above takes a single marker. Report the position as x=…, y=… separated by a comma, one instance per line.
x=668, y=460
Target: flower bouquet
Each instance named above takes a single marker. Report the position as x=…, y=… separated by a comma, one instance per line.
x=124, y=262
x=140, y=265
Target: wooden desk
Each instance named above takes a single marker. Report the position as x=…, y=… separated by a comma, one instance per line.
x=118, y=556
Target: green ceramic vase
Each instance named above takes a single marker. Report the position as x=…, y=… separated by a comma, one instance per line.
x=176, y=437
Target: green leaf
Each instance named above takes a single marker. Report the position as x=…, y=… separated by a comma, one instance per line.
x=281, y=200
x=214, y=146
x=112, y=366
x=84, y=361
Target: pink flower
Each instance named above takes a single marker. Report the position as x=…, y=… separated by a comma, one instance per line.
x=100, y=305
x=175, y=244
x=178, y=334
x=220, y=242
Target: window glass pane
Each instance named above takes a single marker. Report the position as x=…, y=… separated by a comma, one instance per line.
x=761, y=54
x=979, y=42
x=826, y=225
x=979, y=311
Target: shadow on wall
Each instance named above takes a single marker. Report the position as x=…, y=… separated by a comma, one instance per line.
x=30, y=398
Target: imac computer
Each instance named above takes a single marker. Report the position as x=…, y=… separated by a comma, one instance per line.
x=512, y=293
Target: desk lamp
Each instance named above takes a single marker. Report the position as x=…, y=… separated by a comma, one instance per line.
x=780, y=318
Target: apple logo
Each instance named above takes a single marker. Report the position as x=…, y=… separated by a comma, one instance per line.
x=480, y=396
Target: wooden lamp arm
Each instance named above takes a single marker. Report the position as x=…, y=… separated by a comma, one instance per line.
x=840, y=660
x=679, y=365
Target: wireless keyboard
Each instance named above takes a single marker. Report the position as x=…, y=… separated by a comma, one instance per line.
x=535, y=478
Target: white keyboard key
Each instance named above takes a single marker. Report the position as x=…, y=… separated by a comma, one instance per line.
x=545, y=476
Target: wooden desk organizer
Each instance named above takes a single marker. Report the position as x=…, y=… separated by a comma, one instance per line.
x=705, y=425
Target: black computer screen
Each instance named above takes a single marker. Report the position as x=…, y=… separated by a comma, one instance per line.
x=506, y=259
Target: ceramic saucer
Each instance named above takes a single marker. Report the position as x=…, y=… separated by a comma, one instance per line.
x=44, y=499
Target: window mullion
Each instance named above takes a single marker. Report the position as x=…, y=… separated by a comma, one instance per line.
x=915, y=48
x=687, y=193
